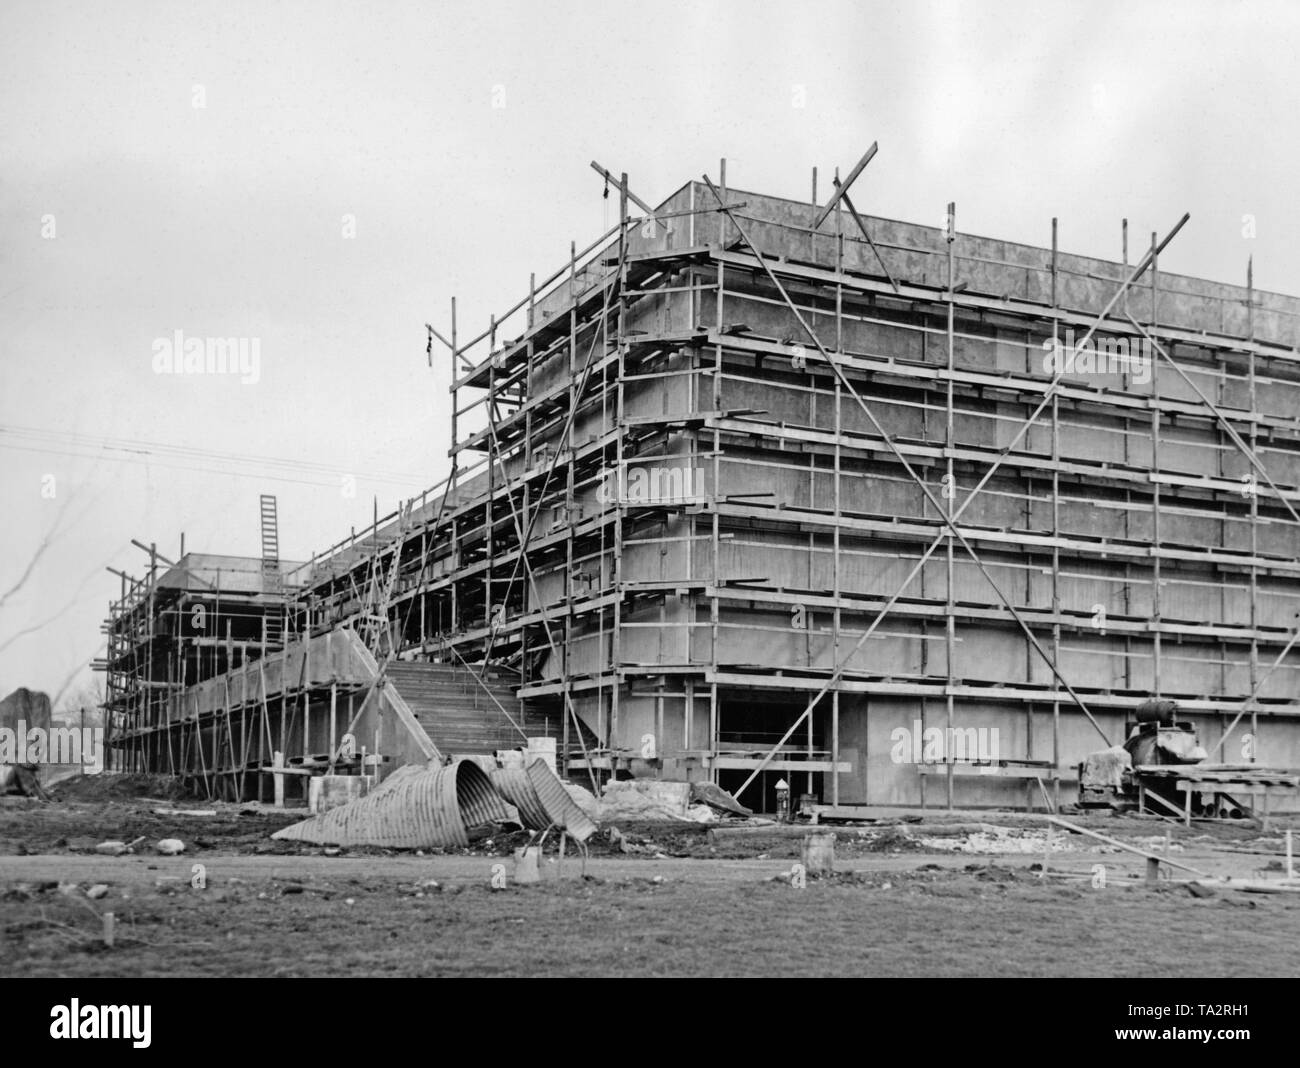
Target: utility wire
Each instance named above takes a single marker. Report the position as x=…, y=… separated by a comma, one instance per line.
x=156, y=454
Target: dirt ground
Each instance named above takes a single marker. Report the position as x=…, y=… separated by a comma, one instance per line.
x=946, y=896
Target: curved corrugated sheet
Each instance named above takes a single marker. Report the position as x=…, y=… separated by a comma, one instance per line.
x=479, y=801
x=557, y=802
x=542, y=800
x=413, y=809
x=513, y=785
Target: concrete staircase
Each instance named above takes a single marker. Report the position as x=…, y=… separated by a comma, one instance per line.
x=456, y=710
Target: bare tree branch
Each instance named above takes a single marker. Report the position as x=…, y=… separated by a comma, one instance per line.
x=60, y=613
x=57, y=530
x=41, y=549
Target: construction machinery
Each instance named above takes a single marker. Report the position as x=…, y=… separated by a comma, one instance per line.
x=1162, y=768
x=1154, y=738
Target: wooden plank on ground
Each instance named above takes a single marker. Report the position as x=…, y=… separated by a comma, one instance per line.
x=1124, y=845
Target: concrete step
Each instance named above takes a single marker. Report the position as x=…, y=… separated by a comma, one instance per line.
x=458, y=712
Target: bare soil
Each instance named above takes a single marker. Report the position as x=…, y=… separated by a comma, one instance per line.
x=653, y=899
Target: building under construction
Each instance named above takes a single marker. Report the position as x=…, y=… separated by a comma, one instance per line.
x=753, y=489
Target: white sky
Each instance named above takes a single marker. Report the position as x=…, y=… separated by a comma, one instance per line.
x=226, y=220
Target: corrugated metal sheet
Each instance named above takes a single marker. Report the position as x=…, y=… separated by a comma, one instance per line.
x=513, y=785
x=542, y=800
x=413, y=809
x=558, y=804
x=479, y=801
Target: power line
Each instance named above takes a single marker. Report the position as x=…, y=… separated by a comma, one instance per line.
x=143, y=445
x=125, y=450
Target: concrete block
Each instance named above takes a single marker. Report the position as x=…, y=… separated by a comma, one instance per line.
x=545, y=748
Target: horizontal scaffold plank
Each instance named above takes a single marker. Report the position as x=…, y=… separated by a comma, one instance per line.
x=812, y=680
x=940, y=296
x=1030, y=388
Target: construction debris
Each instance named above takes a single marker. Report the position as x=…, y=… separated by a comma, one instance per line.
x=439, y=807
x=542, y=800
x=414, y=809
x=715, y=796
x=651, y=799
x=584, y=799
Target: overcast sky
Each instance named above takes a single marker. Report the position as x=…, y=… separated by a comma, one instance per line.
x=200, y=168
